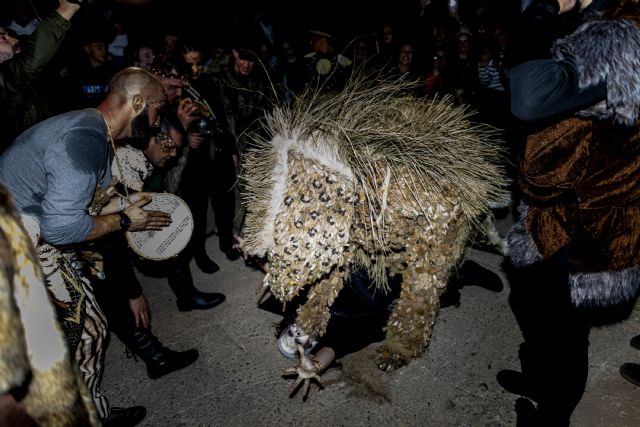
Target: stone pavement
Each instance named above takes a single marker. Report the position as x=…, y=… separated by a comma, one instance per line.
x=237, y=379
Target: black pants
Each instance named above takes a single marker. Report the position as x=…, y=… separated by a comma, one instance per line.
x=209, y=177
x=554, y=355
x=119, y=284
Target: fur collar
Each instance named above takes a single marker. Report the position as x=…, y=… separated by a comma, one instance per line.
x=607, y=50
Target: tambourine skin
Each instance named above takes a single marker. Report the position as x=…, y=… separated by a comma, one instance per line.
x=159, y=245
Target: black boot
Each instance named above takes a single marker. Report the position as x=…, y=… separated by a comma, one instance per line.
x=516, y=382
x=631, y=373
x=125, y=417
x=159, y=359
x=187, y=296
x=206, y=264
x=470, y=273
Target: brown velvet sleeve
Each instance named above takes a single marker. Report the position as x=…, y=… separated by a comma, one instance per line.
x=554, y=161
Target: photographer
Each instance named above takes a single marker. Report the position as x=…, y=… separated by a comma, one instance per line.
x=210, y=173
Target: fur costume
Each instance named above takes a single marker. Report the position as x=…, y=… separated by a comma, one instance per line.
x=368, y=178
x=33, y=353
x=581, y=177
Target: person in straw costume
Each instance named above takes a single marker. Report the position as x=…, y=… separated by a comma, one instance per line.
x=368, y=178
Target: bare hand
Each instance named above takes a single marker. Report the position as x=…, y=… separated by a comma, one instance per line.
x=566, y=5
x=195, y=139
x=142, y=219
x=186, y=112
x=141, y=312
x=67, y=9
x=136, y=197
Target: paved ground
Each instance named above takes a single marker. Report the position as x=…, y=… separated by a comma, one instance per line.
x=237, y=379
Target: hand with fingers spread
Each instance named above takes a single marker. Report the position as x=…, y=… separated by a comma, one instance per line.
x=142, y=219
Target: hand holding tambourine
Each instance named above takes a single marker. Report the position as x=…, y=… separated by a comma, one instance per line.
x=142, y=217
x=168, y=224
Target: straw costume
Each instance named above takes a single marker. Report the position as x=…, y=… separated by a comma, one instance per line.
x=368, y=178
x=34, y=357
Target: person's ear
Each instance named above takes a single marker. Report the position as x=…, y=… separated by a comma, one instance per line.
x=138, y=103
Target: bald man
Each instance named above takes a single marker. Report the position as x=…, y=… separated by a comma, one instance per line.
x=59, y=175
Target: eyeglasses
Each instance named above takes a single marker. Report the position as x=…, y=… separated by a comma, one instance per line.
x=167, y=142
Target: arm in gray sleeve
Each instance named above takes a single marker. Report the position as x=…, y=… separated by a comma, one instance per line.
x=72, y=174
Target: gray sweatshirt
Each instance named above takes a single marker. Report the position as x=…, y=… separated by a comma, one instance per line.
x=52, y=170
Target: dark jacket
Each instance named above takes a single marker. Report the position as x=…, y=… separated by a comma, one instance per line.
x=20, y=106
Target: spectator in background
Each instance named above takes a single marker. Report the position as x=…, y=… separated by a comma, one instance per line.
x=292, y=68
x=118, y=44
x=142, y=56
x=188, y=297
x=168, y=52
x=244, y=88
x=405, y=68
x=91, y=74
x=23, y=22
x=386, y=47
x=210, y=173
x=436, y=78
x=219, y=59
x=464, y=70
x=21, y=105
x=325, y=68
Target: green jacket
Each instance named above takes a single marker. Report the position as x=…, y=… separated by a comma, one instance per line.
x=20, y=104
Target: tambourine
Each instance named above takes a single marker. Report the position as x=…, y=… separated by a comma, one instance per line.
x=159, y=245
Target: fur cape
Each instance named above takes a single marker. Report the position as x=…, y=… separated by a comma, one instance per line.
x=34, y=358
x=604, y=48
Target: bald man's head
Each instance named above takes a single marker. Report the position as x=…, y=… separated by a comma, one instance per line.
x=134, y=81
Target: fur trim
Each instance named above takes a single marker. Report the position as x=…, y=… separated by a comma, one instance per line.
x=604, y=288
x=522, y=249
x=607, y=50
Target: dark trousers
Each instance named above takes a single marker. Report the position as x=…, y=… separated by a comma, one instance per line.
x=120, y=283
x=554, y=355
x=209, y=177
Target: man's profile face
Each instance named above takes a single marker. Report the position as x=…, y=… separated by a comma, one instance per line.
x=147, y=122
x=8, y=46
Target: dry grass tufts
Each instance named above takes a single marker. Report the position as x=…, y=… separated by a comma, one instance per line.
x=377, y=131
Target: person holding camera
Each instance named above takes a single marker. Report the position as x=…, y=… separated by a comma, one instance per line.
x=210, y=173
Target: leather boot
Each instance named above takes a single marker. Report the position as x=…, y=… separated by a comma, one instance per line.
x=159, y=359
x=187, y=296
x=125, y=417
